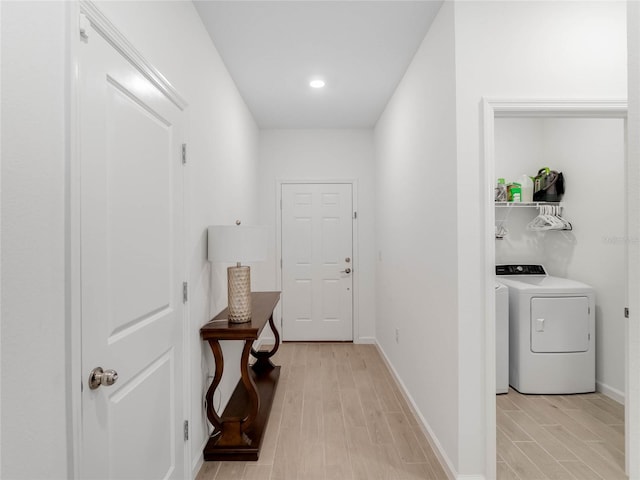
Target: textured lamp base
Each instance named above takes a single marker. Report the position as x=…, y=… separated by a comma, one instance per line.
x=239, y=294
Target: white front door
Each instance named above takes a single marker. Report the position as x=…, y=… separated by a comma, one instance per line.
x=317, y=262
x=131, y=206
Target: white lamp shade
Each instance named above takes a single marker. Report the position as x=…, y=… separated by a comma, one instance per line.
x=237, y=243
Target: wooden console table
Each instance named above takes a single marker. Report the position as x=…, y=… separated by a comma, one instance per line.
x=239, y=430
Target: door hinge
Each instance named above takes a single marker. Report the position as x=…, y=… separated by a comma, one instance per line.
x=184, y=153
x=186, y=430
x=281, y=263
x=626, y=312
x=185, y=292
x=84, y=27
x=355, y=215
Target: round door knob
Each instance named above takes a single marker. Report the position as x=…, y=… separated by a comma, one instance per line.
x=346, y=270
x=99, y=377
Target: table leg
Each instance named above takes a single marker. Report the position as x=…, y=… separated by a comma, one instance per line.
x=250, y=385
x=213, y=417
x=263, y=362
x=232, y=430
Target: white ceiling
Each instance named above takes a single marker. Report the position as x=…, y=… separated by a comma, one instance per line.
x=274, y=48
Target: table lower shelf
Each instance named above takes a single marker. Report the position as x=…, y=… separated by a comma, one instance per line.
x=266, y=383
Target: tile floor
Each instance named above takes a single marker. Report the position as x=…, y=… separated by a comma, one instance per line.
x=337, y=414
x=564, y=437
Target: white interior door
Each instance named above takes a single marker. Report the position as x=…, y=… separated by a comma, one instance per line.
x=131, y=270
x=317, y=262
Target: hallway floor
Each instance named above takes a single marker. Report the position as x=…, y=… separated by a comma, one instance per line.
x=560, y=437
x=337, y=414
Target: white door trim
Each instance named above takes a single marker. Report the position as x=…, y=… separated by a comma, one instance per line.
x=109, y=31
x=73, y=278
x=492, y=108
x=356, y=256
x=76, y=376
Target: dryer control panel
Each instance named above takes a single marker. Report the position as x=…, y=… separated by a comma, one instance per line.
x=520, y=270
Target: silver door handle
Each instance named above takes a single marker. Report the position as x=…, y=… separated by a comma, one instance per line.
x=99, y=377
x=346, y=270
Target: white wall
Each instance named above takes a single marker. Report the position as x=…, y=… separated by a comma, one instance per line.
x=417, y=268
x=591, y=155
x=525, y=50
x=221, y=185
x=323, y=155
x=34, y=373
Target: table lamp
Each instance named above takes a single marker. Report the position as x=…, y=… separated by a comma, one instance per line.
x=239, y=243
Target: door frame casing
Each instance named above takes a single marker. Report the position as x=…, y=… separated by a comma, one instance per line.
x=501, y=108
x=355, y=316
x=72, y=260
x=75, y=375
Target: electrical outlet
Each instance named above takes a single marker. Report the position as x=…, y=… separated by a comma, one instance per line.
x=397, y=335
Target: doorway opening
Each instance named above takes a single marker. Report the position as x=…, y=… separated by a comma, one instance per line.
x=522, y=137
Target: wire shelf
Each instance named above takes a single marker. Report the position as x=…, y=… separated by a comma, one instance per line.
x=525, y=204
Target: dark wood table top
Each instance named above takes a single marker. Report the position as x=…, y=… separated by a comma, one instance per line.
x=262, y=306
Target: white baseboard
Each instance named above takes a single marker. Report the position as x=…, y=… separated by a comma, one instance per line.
x=610, y=392
x=196, y=465
x=365, y=340
x=444, y=459
x=270, y=340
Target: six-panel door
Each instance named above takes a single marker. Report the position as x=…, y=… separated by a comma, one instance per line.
x=317, y=262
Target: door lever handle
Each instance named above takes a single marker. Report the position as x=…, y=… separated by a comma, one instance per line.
x=346, y=270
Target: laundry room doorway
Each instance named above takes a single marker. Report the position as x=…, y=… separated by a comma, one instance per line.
x=586, y=140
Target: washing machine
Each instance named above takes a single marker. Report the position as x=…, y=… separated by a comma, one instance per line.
x=552, y=331
x=502, y=338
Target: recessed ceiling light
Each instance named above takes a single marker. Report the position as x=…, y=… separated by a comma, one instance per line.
x=316, y=83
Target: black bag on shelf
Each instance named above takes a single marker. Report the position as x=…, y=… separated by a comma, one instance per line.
x=548, y=186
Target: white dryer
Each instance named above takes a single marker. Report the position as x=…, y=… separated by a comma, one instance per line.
x=551, y=331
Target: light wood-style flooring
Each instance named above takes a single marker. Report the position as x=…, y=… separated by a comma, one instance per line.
x=337, y=414
x=562, y=437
